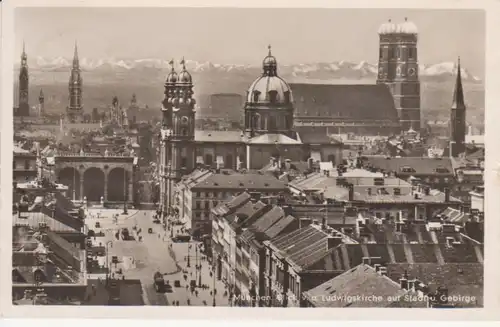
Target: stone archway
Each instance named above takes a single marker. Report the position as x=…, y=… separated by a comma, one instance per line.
x=70, y=177
x=118, y=181
x=93, y=184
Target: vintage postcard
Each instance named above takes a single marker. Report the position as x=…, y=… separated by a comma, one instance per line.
x=180, y=160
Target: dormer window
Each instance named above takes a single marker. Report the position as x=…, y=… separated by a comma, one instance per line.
x=273, y=96
x=441, y=170
x=256, y=95
x=378, y=181
x=407, y=169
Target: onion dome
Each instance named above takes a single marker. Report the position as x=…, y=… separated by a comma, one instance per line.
x=387, y=28
x=172, y=76
x=408, y=27
x=184, y=75
x=269, y=88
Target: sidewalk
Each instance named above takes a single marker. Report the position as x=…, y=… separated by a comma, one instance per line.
x=205, y=295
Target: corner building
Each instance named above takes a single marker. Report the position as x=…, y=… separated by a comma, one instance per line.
x=398, y=68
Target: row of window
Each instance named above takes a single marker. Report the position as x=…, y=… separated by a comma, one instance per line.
x=26, y=165
x=206, y=205
x=396, y=53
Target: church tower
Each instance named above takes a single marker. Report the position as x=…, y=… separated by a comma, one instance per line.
x=41, y=102
x=177, y=132
x=457, y=118
x=74, y=112
x=398, y=68
x=24, y=107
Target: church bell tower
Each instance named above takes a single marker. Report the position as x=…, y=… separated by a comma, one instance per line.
x=398, y=68
x=24, y=107
x=177, y=132
x=74, y=112
x=457, y=118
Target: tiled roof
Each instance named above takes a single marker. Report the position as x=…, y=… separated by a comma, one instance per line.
x=245, y=214
x=232, y=205
x=309, y=136
x=435, y=196
x=302, y=247
x=421, y=165
x=347, y=256
x=357, y=102
x=219, y=136
x=279, y=226
x=273, y=139
x=34, y=219
x=455, y=216
x=268, y=219
x=461, y=279
x=355, y=285
x=248, y=181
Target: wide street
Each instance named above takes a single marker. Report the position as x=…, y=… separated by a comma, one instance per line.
x=140, y=259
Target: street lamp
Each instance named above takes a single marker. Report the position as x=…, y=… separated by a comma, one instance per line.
x=189, y=261
x=125, y=192
x=213, y=292
x=107, y=259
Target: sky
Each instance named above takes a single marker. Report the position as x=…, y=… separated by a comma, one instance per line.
x=241, y=35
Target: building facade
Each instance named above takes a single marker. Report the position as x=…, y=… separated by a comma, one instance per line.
x=398, y=68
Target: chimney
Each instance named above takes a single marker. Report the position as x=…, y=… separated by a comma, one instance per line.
x=382, y=271
x=334, y=241
x=427, y=190
x=323, y=223
x=351, y=192
x=403, y=281
x=446, y=195
x=304, y=222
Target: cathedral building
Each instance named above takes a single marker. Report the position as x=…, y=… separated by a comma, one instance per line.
x=268, y=136
x=74, y=111
x=23, y=109
x=388, y=107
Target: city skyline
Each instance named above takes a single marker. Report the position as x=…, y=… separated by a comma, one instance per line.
x=439, y=31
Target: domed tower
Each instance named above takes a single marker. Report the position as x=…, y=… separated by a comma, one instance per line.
x=398, y=68
x=269, y=102
x=24, y=107
x=75, y=108
x=177, y=132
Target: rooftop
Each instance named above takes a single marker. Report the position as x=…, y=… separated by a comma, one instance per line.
x=410, y=165
x=302, y=247
x=219, y=136
x=356, y=102
x=241, y=181
x=274, y=139
x=357, y=284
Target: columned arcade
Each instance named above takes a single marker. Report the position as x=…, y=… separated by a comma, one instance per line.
x=93, y=176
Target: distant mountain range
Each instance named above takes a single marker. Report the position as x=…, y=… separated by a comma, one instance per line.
x=332, y=70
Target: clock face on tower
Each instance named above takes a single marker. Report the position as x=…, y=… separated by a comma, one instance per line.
x=412, y=71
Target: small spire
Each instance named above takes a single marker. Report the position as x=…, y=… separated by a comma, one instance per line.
x=458, y=94
x=23, y=55
x=269, y=47
x=390, y=20
x=75, y=56
x=171, y=63
x=183, y=63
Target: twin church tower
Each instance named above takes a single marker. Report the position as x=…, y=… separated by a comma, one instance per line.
x=74, y=111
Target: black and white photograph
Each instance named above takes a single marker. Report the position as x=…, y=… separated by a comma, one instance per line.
x=248, y=157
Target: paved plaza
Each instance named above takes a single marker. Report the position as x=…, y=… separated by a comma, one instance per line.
x=146, y=253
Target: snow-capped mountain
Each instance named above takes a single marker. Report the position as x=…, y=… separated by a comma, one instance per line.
x=330, y=70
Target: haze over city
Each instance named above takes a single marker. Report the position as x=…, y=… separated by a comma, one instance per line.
x=202, y=34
